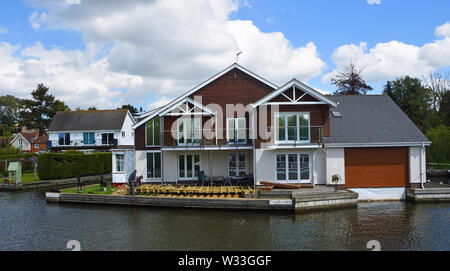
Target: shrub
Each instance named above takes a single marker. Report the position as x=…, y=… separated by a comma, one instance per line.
x=61, y=166
x=439, y=151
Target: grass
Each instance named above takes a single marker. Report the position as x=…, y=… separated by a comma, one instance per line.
x=29, y=178
x=92, y=189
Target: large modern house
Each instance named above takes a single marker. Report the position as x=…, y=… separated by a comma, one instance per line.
x=238, y=124
x=90, y=131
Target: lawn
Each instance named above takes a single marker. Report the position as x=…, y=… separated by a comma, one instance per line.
x=29, y=178
x=92, y=189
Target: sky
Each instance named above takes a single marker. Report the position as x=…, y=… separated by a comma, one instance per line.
x=106, y=53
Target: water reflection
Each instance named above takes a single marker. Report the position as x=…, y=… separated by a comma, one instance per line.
x=29, y=223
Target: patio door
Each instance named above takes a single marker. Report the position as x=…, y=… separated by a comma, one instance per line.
x=187, y=165
x=237, y=164
x=293, y=168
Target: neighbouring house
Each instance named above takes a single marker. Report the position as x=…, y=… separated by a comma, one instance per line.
x=91, y=131
x=239, y=124
x=30, y=142
x=96, y=131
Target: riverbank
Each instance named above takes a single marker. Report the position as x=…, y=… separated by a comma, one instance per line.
x=305, y=200
x=61, y=183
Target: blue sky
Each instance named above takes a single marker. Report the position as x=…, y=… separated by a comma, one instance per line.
x=109, y=53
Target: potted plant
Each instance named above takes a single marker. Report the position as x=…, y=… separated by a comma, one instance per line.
x=335, y=179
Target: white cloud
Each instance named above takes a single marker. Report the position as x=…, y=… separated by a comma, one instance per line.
x=372, y=2
x=386, y=61
x=170, y=46
x=443, y=30
x=73, y=76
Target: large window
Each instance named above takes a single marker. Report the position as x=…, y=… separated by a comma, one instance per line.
x=188, y=166
x=236, y=130
x=108, y=139
x=119, y=162
x=292, y=127
x=64, y=139
x=153, y=165
x=189, y=131
x=152, y=132
x=237, y=164
x=88, y=138
x=293, y=167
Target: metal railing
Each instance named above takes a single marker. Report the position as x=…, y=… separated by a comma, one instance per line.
x=239, y=137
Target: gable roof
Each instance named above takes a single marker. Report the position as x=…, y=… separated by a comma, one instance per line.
x=302, y=86
x=371, y=119
x=188, y=93
x=27, y=136
x=187, y=101
x=90, y=120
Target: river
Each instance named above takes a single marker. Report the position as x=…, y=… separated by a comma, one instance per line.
x=29, y=223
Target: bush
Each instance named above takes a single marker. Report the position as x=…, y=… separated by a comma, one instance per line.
x=439, y=151
x=61, y=166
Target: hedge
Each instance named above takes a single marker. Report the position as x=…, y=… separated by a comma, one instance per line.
x=62, y=166
x=14, y=156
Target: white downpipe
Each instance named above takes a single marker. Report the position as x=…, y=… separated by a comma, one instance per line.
x=421, y=168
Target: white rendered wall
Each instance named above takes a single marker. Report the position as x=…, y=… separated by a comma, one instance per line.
x=335, y=164
x=265, y=164
x=388, y=193
x=417, y=165
x=25, y=145
x=128, y=139
x=320, y=166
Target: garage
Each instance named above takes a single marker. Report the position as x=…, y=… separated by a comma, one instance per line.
x=376, y=167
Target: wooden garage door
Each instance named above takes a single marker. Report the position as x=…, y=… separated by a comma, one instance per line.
x=376, y=167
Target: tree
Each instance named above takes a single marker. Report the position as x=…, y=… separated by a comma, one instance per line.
x=444, y=108
x=439, y=85
x=39, y=111
x=92, y=108
x=9, y=113
x=349, y=81
x=439, y=151
x=412, y=97
x=133, y=110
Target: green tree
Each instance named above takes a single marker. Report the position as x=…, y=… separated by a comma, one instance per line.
x=444, y=108
x=9, y=113
x=133, y=110
x=39, y=111
x=349, y=82
x=439, y=151
x=413, y=98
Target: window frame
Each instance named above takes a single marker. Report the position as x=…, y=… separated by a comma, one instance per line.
x=299, y=179
x=237, y=163
x=153, y=164
x=194, y=141
x=116, y=161
x=153, y=121
x=185, y=178
x=88, y=133
x=64, y=139
x=286, y=135
x=236, y=131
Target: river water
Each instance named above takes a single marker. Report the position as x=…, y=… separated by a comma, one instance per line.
x=27, y=222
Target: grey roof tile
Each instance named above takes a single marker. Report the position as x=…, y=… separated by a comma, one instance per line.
x=88, y=120
x=371, y=119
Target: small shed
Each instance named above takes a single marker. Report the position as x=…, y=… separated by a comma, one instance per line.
x=15, y=172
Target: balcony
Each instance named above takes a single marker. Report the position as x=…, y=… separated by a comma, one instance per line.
x=207, y=139
x=292, y=138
